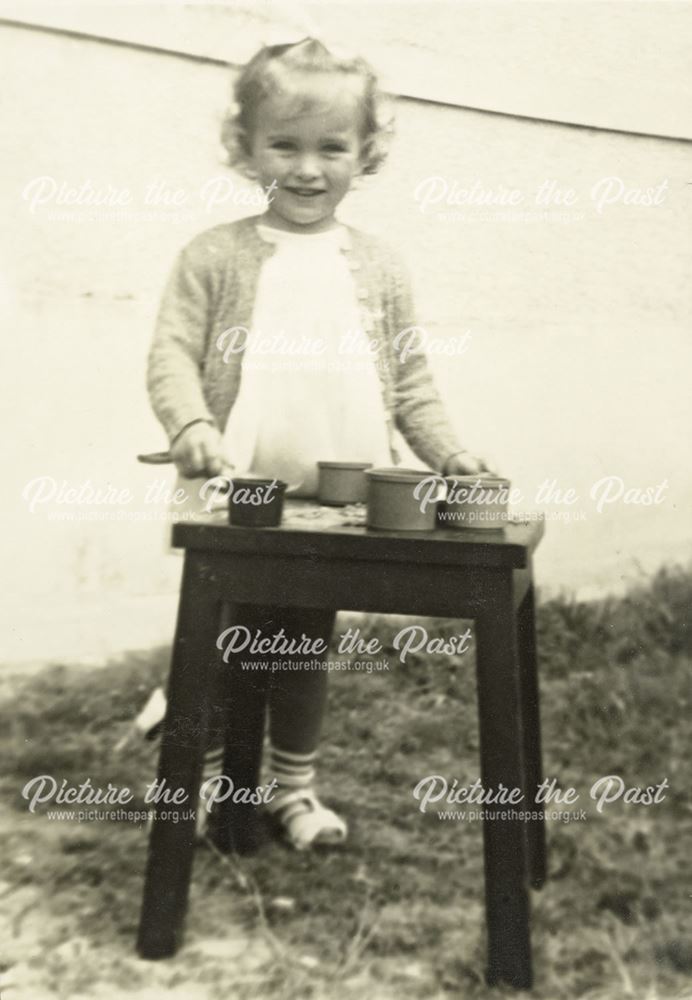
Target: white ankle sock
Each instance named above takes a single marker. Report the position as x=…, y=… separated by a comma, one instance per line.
x=291, y=770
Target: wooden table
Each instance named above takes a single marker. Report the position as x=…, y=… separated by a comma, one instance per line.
x=320, y=558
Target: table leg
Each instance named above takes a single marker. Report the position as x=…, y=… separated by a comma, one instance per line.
x=171, y=843
x=533, y=766
x=501, y=743
x=237, y=825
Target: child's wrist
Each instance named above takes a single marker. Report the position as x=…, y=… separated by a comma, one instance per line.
x=190, y=423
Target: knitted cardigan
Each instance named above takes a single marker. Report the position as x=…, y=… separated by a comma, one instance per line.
x=212, y=289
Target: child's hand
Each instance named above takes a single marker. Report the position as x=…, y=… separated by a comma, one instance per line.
x=197, y=451
x=465, y=464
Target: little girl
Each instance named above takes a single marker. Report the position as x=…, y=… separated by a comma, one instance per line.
x=306, y=124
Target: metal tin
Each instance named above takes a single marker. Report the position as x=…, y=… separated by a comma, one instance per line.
x=392, y=503
x=342, y=482
x=256, y=503
x=479, y=502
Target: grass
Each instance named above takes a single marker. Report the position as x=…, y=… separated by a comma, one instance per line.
x=399, y=912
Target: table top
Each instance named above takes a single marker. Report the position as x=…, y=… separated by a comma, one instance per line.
x=311, y=531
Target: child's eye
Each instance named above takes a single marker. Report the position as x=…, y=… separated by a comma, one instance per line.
x=334, y=147
x=283, y=144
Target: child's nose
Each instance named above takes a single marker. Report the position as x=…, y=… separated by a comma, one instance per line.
x=308, y=167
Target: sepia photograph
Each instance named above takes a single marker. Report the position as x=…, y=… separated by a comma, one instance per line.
x=348, y=563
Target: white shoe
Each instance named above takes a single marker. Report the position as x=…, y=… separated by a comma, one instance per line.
x=304, y=821
x=146, y=725
x=148, y=722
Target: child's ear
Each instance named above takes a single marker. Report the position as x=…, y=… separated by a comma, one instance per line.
x=243, y=144
x=238, y=145
x=235, y=141
x=243, y=140
x=364, y=157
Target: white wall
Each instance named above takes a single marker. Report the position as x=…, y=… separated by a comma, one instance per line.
x=619, y=64
x=579, y=354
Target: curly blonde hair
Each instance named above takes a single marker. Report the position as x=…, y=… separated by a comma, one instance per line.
x=266, y=75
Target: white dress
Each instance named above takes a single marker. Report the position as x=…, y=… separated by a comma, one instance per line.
x=309, y=388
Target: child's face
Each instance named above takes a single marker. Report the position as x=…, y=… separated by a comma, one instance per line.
x=307, y=160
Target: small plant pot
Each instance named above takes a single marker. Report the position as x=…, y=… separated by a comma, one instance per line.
x=256, y=503
x=342, y=482
x=479, y=502
x=392, y=501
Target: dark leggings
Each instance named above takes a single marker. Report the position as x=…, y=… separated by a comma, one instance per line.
x=295, y=698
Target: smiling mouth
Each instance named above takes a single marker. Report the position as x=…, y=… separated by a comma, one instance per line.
x=305, y=192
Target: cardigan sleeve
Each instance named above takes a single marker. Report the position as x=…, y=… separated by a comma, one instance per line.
x=176, y=356
x=419, y=411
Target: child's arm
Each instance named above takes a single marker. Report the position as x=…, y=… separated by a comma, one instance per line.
x=419, y=411
x=174, y=370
